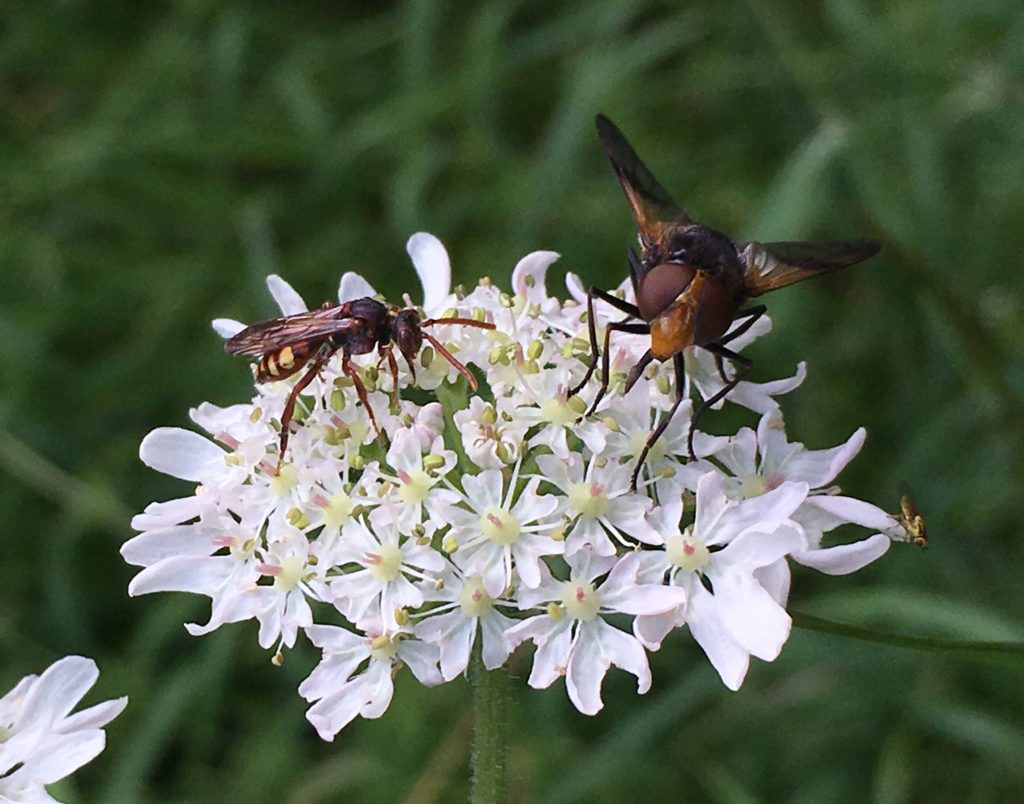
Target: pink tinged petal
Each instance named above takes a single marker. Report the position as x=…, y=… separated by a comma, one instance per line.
x=775, y=579
x=651, y=629
x=724, y=653
x=740, y=457
x=552, y=656
x=180, y=453
x=353, y=286
x=285, y=295
x=203, y=576
x=534, y=265
x=182, y=540
x=227, y=327
x=599, y=646
x=574, y=285
x=65, y=754
x=757, y=623
x=332, y=713
x=844, y=558
x=453, y=633
x=847, y=509
x=495, y=646
x=421, y=658
x=818, y=468
x=753, y=549
x=620, y=591
x=764, y=513
x=379, y=688
x=430, y=259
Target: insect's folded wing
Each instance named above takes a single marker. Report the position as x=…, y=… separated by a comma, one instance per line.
x=649, y=202
x=770, y=266
x=266, y=336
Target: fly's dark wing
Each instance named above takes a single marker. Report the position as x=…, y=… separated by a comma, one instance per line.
x=649, y=202
x=267, y=336
x=769, y=266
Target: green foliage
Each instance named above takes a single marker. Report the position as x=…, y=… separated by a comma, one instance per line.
x=159, y=161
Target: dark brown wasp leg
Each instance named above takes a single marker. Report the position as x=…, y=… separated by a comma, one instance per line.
x=353, y=373
x=719, y=351
x=751, y=314
x=388, y=354
x=289, y=406
x=618, y=304
x=677, y=362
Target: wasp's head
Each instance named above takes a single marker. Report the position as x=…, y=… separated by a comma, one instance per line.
x=407, y=333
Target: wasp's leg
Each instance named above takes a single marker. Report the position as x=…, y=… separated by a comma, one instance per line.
x=615, y=326
x=387, y=354
x=350, y=371
x=289, y=406
x=677, y=362
x=619, y=304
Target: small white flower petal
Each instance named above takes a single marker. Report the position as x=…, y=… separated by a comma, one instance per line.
x=285, y=295
x=227, y=327
x=353, y=286
x=528, y=275
x=844, y=558
x=430, y=259
x=180, y=453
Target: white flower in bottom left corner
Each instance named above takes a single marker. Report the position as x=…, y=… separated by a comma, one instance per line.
x=40, y=740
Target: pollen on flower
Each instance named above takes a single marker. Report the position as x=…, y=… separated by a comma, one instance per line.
x=414, y=487
x=558, y=411
x=686, y=552
x=383, y=647
x=589, y=499
x=337, y=509
x=284, y=481
x=500, y=526
x=385, y=563
x=580, y=599
x=473, y=599
x=289, y=573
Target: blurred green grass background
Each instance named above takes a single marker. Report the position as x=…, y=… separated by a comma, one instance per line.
x=158, y=160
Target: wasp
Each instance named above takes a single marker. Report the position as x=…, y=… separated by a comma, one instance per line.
x=692, y=284
x=286, y=345
x=910, y=518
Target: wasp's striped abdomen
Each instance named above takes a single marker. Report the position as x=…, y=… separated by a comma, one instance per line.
x=284, y=362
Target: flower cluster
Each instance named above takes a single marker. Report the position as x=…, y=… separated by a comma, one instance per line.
x=499, y=518
x=41, y=742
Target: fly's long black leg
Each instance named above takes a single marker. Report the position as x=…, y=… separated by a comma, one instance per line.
x=719, y=351
x=606, y=368
x=293, y=397
x=677, y=362
x=350, y=371
x=618, y=304
x=751, y=314
x=637, y=371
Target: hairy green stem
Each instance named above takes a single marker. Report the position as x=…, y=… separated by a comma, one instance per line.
x=491, y=693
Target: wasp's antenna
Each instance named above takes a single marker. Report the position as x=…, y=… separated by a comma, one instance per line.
x=465, y=372
x=465, y=322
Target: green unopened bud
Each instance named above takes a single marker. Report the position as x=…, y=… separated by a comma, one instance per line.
x=530, y=367
x=501, y=452
x=558, y=534
x=431, y=462
x=667, y=471
x=505, y=300
x=337, y=399
x=662, y=384
x=580, y=345
x=277, y=659
x=343, y=382
x=485, y=282
x=233, y=459
x=489, y=415
x=535, y=350
x=555, y=611
x=451, y=312
x=449, y=544
x=401, y=616
x=296, y=518
x=567, y=350
x=611, y=424
x=357, y=462
x=479, y=314
x=426, y=356
x=577, y=405
x=534, y=310
x=601, y=462
x=255, y=415
x=498, y=356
